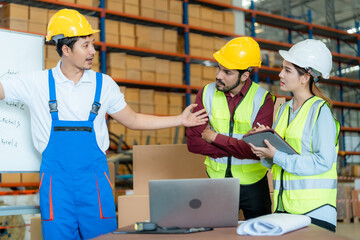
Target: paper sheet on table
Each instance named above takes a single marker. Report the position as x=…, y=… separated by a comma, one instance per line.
x=273, y=224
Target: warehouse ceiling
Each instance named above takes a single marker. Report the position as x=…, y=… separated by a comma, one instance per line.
x=341, y=14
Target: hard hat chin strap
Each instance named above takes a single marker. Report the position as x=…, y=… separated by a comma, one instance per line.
x=315, y=74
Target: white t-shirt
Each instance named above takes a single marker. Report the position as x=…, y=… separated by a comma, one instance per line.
x=74, y=102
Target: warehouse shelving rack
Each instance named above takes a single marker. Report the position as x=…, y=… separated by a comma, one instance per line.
x=251, y=15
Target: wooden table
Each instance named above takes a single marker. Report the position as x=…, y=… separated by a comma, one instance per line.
x=308, y=233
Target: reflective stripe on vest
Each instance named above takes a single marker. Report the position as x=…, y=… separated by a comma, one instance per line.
x=247, y=170
x=302, y=194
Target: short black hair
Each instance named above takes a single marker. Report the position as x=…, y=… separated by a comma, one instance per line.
x=68, y=41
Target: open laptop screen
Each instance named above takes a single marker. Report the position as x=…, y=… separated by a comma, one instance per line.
x=197, y=202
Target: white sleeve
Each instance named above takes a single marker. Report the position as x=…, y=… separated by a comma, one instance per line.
x=18, y=87
x=116, y=98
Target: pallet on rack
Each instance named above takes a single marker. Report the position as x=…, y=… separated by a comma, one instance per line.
x=344, y=203
x=356, y=205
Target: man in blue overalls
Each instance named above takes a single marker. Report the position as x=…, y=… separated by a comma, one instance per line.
x=68, y=105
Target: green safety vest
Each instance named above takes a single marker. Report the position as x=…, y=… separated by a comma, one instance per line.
x=302, y=194
x=247, y=170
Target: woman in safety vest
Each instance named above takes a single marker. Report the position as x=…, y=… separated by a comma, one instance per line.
x=305, y=183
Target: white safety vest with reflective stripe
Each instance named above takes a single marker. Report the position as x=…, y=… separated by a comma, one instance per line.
x=302, y=194
x=247, y=170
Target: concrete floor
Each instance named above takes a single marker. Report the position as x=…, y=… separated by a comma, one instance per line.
x=350, y=230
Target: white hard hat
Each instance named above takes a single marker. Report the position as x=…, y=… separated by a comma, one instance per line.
x=313, y=55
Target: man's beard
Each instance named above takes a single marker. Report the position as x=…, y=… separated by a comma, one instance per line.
x=229, y=88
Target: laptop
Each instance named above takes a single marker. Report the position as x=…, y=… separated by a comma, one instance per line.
x=200, y=202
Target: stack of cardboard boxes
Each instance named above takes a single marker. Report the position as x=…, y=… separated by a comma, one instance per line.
x=166, y=10
x=201, y=16
x=148, y=101
x=204, y=46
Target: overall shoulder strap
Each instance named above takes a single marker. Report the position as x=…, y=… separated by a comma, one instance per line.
x=96, y=105
x=52, y=95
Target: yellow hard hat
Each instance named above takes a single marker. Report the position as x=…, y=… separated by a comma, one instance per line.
x=239, y=53
x=69, y=23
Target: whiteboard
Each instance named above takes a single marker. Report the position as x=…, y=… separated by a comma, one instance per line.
x=19, y=52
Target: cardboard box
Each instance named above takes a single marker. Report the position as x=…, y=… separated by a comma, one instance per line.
x=147, y=12
x=147, y=76
x=131, y=9
x=112, y=38
x=162, y=78
x=147, y=3
x=205, y=23
x=146, y=96
x=175, y=110
x=161, y=109
x=15, y=11
x=194, y=10
x=174, y=17
x=30, y=177
x=170, y=36
x=132, y=95
x=38, y=15
x=51, y=53
x=161, y=98
x=68, y=1
x=115, y=59
x=132, y=62
x=229, y=18
x=176, y=68
x=208, y=73
x=194, y=21
x=170, y=47
x=163, y=140
x=356, y=202
x=176, y=99
x=50, y=63
x=115, y=5
x=116, y=72
x=217, y=16
x=142, y=42
x=35, y=27
x=127, y=29
x=157, y=34
x=36, y=229
x=15, y=24
x=176, y=79
x=162, y=66
x=127, y=41
x=196, y=40
x=94, y=22
x=196, y=70
x=162, y=5
x=91, y=3
x=195, y=81
x=148, y=64
x=111, y=27
x=152, y=162
x=133, y=74
x=206, y=13
x=176, y=7
x=132, y=2
x=155, y=45
x=161, y=15
x=10, y=177
x=133, y=208
x=142, y=31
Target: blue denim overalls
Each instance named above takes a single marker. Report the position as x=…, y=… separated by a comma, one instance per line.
x=76, y=199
